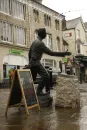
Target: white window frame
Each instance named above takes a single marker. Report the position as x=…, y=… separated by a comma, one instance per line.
x=48, y=41
x=6, y=32
x=19, y=36
x=18, y=10
x=77, y=34
x=5, y=6
x=47, y=62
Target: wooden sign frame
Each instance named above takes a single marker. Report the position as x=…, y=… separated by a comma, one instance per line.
x=22, y=92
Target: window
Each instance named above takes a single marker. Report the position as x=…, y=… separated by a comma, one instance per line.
x=49, y=62
x=18, y=9
x=58, y=43
x=57, y=25
x=77, y=34
x=13, y=7
x=19, y=36
x=36, y=15
x=35, y=35
x=5, y=32
x=78, y=48
x=5, y=6
x=48, y=41
x=65, y=47
x=47, y=20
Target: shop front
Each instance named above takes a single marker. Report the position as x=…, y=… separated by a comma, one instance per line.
x=15, y=59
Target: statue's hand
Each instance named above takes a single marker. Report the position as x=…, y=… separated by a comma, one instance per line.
x=67, y=53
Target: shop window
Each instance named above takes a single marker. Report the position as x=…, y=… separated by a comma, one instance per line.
x=18, y=67
x=8, y=68
x=36, y=15
x=47, y=20
x=4, y=71
x=49, y=62
x=19, y=35
x=5, y=32
x=19, y=9
x=57, y=25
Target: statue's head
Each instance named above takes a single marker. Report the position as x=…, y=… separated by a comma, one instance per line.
x=41, y=33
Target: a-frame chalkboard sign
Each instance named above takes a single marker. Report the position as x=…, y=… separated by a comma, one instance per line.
x=22, y=89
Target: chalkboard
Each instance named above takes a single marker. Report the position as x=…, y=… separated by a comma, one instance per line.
x=16, y=95
x=27, y=84
x=22, y=89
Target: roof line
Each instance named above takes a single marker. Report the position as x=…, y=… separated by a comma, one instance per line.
x=49, y=8
x=73, y=19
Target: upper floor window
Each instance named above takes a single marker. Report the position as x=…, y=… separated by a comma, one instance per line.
x=18, y=9
x=58, y=43
x=5, y=32
x=77, y=34
x=65, y=47
x=5, y=6
x=8, y=34
x=78, y=48
x=36, y=15
x=48, y=41
x=57, y=25
x=47, y=20
x=19, y=36
x=13, y=7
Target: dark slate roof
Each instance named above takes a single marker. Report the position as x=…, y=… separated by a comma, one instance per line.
x=71, y=24
x=85, y=25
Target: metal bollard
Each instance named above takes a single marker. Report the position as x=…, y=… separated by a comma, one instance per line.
x=50, y=75
x=48, y=83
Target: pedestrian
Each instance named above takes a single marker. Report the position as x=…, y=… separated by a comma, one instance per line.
x=11, y=75
x=36, y=51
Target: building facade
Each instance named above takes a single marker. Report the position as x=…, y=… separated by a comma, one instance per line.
x=41, y=16
x=75, y=35
x=14, y=35
x=19, y=20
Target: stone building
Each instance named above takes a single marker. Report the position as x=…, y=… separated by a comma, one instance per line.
x=75, y=35
x=14, y=35
x=19, y=20
x=41, y=16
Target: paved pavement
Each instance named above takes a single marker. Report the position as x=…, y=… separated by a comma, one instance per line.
x=48, y=118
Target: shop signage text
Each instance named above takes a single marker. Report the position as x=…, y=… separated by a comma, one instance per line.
x=16, y=52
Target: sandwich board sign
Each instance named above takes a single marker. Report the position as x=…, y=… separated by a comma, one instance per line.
x=22, y=89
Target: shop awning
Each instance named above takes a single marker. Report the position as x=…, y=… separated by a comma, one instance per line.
x=15, y=60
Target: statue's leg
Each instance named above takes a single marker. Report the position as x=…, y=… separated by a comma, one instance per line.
x=44, y=79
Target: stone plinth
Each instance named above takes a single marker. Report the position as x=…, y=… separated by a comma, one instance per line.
x=67, y=92
x=45, y=101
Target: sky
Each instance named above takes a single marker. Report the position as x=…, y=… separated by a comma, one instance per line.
x=70, y=8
